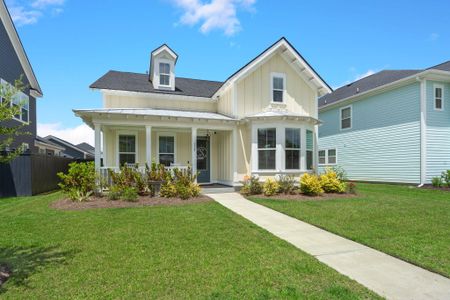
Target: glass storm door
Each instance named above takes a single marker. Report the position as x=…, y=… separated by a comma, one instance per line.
x=203, y=164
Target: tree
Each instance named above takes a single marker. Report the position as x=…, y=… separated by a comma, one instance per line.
x=9, y=109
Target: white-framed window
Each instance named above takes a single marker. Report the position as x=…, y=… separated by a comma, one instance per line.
x=327, y=157
x=292, y=148
x=438, y=97
x=346, y=117
x=166, y=149
x=164, y=74
x=21, y=101
x=309, y=150
x=267, y=143
x=278, y=87
x=127, y=153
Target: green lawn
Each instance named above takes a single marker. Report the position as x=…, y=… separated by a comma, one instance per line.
x=191, y=251
x=406, y=222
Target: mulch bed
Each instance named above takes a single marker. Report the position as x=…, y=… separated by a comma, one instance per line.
x=430, y=187
x=5, y=273
x=301, y=197
x=103, y=202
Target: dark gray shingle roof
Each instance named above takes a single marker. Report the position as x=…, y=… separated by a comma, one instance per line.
x=137, y=82
x=86, y=147
x=365, y=84
x=443, y=66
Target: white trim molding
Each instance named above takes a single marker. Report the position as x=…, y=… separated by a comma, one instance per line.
x=438, y=86
x=423, y=131
x=169, y=134
x=351, y=117
x=278, y=75
x=126, y=132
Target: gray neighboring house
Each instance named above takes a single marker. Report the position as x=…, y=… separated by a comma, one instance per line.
x=14, y=63
x=71, y=150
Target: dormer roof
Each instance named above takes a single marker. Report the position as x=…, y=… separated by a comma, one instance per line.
x=156, y=52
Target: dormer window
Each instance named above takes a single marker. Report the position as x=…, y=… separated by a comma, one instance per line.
x=164, y=74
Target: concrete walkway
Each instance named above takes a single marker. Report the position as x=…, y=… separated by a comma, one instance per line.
x=387, y=276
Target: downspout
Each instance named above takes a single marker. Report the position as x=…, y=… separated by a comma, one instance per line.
x=423, y=131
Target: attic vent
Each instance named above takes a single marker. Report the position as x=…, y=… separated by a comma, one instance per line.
x=357, y=90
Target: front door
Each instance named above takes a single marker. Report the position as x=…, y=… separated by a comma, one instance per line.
x=203, y=165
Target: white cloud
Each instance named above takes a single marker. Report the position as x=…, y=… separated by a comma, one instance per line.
x=75, y=135
x=368, y=73
x=216, y=14
x=27, y=12
x=433, y=36
x=44, y=3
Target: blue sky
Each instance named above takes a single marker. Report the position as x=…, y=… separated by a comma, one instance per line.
x=72, y=43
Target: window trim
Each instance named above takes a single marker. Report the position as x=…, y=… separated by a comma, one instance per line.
x=171, y=134
x=136, y=145
x=278, y=75
x=267, y=149
x=351, y=117
x=438, y=86
x=299, y=149
x=327, y=163
x=171, y=66
x=22, y=97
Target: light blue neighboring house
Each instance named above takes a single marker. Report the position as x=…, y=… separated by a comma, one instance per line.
x=392, y=126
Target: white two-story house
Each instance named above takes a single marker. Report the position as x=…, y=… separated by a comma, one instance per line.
x=262, y=120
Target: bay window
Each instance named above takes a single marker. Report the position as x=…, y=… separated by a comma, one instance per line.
x=292, y=148
x=166, y=150
x=127, y=149
x=267, y=149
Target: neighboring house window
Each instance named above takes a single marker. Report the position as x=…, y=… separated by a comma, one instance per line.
x=166, y=150
x=127, y=149
x=164, y=74
x=309, y=150
x=292, y=148
x=346, y=117
x=327, y=157
x=21, y=101
x=266, y=148
x=278, y=87
x=438, y=98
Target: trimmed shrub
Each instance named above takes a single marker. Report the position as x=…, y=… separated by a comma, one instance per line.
x=436, y=181
x=79, y=182
x=286, y=184
x=130, y=194
x=446, y=178
x=252, y=186
x=168, y=190
x=330, y=182
x=340, y=172
x=310, y=185
x=270, y=187
x=114, y=193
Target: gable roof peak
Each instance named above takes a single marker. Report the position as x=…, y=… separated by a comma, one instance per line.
x=165, y=47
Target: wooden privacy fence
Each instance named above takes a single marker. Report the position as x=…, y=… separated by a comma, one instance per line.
x=31, y=174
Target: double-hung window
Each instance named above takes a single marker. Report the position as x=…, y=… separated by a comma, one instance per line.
x=346, y=117
x=438, y=97
x=166, y=149
x=127, y=149
x=309, y=150
x=164, y=74
x=267, y=148
x=278, y=87
x=19, y=101
x=327, y=157
x=292, y=148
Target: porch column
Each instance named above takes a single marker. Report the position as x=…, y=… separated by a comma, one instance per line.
x=104, y=154
x=148, y=145
x=194, y=150
x=234, y=137
x=97, y=129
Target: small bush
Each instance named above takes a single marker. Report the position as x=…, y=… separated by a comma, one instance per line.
x=330, y=182
x=446, y=178
x=286, y=184
x=168, y=190
x=79, y=182
x=114, y=193
x=129, y=194
x=351, y=188
x=270, y=187
x=436, y=181
x=340, y=172
x=252, y=186
x=310, y=185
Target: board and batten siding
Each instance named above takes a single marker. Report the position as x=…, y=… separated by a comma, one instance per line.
x=438, y=132
x=384, y=142
x=254, y=94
